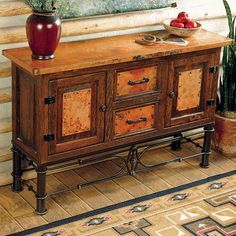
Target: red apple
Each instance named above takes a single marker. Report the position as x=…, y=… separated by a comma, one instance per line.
x=177, y=23
x=190, y=24
x=183, y=17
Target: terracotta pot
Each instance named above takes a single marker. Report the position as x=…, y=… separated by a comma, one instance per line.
x=224, y=137
x=43, y=33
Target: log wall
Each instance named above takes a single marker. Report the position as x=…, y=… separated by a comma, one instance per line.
x=13, y=14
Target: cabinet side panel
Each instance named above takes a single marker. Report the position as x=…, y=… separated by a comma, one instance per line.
x=26, y=94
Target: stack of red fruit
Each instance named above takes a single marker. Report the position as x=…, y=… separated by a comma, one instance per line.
x=183, y=21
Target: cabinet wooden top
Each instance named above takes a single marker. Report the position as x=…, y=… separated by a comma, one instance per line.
x=109, y=50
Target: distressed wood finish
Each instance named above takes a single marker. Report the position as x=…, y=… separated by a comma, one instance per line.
x=26, y=110
x=189, y=89
x=76, y=115
x=69, y=74
x=110, y=50
x=95, y=67
x=133, y=120
x=136, y=81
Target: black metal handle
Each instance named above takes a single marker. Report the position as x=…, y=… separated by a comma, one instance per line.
x=171, y=94
x=143, y=81
x=141, y=119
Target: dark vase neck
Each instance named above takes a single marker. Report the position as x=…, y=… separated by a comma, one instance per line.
x=52, y=13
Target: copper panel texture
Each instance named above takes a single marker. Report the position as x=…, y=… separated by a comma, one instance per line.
x=76, y=115
x=137, y=75
x=189, y=89
x=134, y=120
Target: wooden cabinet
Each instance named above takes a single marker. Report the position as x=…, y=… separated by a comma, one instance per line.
x=103, y=96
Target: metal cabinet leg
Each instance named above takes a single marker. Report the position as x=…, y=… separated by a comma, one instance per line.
x=17, y=185
x=206, y=146
x=41, y=194
x=176, y=145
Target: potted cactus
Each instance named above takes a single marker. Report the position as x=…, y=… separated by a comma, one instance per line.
x=224, y=139
x=43, y=28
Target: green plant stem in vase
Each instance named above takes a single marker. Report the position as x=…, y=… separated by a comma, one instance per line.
x=224, y=137
x=227, y=100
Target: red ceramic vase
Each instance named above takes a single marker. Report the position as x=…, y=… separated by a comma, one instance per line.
x=43, y=33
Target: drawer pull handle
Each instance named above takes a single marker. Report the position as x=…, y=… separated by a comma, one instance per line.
x=141, y=119
x=143, y=81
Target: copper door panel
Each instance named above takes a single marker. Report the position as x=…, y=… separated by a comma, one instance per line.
x=189, y=89
x=76, y=115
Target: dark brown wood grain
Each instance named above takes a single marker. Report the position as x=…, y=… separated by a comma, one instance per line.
x=26, y=109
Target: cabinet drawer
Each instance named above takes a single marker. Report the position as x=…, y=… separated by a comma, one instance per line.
x=134, y=81
x=134, y=120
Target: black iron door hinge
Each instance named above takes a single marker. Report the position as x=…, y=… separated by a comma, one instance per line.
x=210, y=102
x=49, y=100
x=213, y=69
x=49, y=137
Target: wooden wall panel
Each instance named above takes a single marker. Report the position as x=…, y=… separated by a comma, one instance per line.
x=5, y=69
x=13, y=8
x=202, y=10
x=5, y=95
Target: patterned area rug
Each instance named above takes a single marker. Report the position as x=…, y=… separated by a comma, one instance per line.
x=206, y=207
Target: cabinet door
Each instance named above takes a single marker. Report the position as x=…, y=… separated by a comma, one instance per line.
x=76, y=119
x=189, y=94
